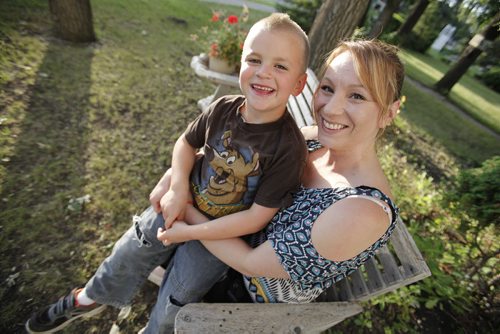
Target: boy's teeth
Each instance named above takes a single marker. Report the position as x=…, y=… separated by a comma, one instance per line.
x=263, y=88
x=333, y=126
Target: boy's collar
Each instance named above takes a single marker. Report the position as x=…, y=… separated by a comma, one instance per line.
x=241, y=109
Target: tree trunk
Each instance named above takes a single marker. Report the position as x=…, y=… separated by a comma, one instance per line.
x=410, y=22
x=383, y=19
x=468, y=56
x=73, y=20
x=336, y=20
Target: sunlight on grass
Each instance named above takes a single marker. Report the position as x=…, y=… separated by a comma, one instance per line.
x=269, y=3
x=479, y=101
x=460, y=137
x=482, y=103
x=422, y=68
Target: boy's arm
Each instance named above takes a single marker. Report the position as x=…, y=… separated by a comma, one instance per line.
x=173, y=203
x=236, y=224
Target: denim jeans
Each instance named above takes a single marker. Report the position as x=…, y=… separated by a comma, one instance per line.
x=191, y=272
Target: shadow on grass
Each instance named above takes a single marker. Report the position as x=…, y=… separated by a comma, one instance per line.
x=45, y=171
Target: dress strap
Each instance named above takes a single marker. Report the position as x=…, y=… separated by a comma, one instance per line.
x=313, y=145
x=379, y=202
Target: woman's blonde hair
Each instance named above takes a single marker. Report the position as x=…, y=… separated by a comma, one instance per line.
x=377, y=66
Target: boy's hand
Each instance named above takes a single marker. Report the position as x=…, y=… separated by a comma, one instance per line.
x=173, y=206
x=177, y=233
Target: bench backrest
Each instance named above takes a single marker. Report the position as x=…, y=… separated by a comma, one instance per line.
x=397, y=264
x=300, y=106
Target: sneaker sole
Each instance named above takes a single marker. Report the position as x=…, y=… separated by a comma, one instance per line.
x=64, y=324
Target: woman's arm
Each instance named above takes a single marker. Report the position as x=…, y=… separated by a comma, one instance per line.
x=233, y=225
x=236, y=253
x=348, y=227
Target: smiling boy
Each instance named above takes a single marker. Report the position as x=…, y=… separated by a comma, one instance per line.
x=272, y=68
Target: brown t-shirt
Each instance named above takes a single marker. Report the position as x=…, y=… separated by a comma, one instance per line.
x=242, y=162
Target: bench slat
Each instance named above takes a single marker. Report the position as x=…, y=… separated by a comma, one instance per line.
x=375, y=279
x=359, y=288
x=392, y=272
x=408, y=254
x=262, y=318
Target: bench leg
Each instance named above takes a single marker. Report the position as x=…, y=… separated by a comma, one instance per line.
x=221, y=90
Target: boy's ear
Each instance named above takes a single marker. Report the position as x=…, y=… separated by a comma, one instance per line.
x=391, y=114
x=300, y=84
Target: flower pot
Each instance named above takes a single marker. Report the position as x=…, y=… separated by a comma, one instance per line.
x=220, y=65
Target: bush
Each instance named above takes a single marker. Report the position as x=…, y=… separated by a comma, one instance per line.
x=478, y=191
x=460, y=296
x=417, y=42
x=491, y=78
x=428, y=27
x=301, y=11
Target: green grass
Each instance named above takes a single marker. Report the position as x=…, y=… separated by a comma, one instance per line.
x=473, y=97
x=458, y=137
x=269, y=3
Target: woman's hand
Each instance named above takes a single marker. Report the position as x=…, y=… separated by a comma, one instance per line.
x=160, y=190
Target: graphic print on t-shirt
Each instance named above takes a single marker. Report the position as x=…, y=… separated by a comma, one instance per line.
x=227, y=186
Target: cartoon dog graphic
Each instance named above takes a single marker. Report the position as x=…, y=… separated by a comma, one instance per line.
x=230, y=182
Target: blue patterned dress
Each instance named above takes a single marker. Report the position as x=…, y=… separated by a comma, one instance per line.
x=290, y=235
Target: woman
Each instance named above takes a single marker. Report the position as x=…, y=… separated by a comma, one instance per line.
x=344, y=212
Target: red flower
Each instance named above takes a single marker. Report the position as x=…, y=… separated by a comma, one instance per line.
x=232, y=19
x=215, y=17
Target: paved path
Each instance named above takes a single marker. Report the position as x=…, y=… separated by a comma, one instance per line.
x=251, y=5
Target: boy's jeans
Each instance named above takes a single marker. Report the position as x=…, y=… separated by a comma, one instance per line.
x=191, y=272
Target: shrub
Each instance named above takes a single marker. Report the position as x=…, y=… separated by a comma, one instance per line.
x=478, y=191
x=428, y=27
x=301, y=11
x=461, y=293
x=491, y=78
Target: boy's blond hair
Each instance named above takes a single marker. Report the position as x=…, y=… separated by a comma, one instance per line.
x=283, y=22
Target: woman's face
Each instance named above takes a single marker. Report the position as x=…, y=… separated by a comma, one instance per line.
x=345, y=111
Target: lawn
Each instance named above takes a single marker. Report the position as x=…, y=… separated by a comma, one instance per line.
x=452, y=132
x=474, y=98
x=87, y=130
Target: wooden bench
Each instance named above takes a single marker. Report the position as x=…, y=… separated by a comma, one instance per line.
x=395, y=265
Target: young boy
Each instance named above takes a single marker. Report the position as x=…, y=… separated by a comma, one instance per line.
x=253, y=158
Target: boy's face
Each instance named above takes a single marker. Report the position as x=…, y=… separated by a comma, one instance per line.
x=271, y=70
